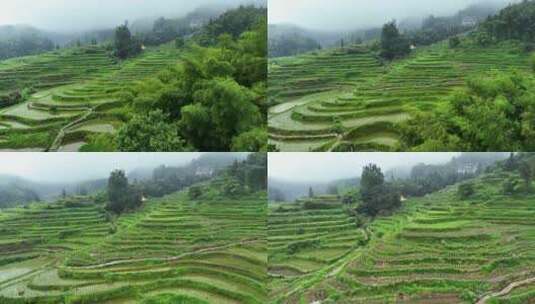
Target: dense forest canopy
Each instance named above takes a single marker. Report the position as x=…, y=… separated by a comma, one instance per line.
x=213, y=100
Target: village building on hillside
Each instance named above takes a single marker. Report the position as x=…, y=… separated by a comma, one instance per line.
x=469, y=21
x=204, y=172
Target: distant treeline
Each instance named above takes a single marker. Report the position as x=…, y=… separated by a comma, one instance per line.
x=236, y=178
x=291, y=40
x=15, y=195
x=517, y=22
x=16, y=41
x=291, y=45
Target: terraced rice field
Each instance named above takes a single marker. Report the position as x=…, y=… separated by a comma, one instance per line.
x=77, y=95
x=438, y=249
x=212, y=251
x=315, y=91
x=321, y=237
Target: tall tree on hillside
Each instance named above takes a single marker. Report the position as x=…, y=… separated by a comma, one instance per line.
x=372, y=177
x=123, y=38
x=393, y=44
x=126, y=45
x=377, y=196
x=121, y=195
x=117, y=190
x=526, y=173
x=510, y=164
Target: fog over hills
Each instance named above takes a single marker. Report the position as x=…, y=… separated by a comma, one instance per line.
x=27, y=177
x=83, y=15
x=343, y=15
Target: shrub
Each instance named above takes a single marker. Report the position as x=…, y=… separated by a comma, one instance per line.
x=195, y=192
x=314, y=205
x=112, y=229
x=294, y=247
x=74, y=204
x=512, y=186
x=465, y=190
x=179, y=42
x=454, y=42
x=66, y=233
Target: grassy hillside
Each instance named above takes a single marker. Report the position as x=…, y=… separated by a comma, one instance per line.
x=437, y=249
x=208, y=251
x=75, y=94
x=345, y=100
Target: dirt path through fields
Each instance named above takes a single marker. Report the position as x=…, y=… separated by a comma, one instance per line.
x=506, y=290
x=59, y=138
x=166, y=259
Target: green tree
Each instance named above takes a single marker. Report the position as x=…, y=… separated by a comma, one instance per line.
x=393, y=44
x=224, y=110
x=148, y=133
x=510, y=186
x=170, y=102
x=526, y=173
x=372, y=177
x=123, y=39
x=454, y=42
x=126, y=45
x=510, y=164
x=377, y=196
x=492, y=113
x=195, y=192
x=251, y=141
x=465, y=190
x=100, y=143
x=232, y=187
x=179, y=42
x=198, y=128
x=117, y=191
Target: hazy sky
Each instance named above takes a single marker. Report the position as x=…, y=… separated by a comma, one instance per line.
x=354, y=14
x=78, y=15
x=325, y=167
x=75, y=167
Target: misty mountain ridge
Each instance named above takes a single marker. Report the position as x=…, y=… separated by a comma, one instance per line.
x=280, y=34
x=17, y=190
x=17, y=40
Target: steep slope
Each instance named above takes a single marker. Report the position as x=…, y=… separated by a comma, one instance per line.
x=437, y=249
x=337, y=105
x=212, y=251
x=77, y=95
